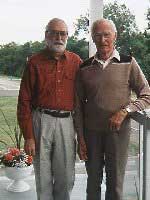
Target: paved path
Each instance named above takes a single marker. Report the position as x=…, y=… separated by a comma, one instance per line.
x=8, y=86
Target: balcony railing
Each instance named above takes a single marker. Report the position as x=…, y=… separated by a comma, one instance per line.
x=143, y=118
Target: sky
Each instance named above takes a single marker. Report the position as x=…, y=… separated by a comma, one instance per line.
x=25, y=20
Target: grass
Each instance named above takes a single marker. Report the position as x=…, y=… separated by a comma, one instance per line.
x=9, y=106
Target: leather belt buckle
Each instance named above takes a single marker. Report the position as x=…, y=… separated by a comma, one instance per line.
x=60, y=115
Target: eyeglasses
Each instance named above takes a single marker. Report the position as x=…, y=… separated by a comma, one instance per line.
x=53, y=33
x=102, y=34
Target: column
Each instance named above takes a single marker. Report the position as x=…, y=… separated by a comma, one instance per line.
x=96, y=12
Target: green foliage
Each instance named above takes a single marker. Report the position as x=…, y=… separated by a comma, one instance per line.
x=82, y=25
x=148, y=18
x=140, y=46
x=123, y=19
x=13, y=57
x=80, y=47
x=125, y=24
x=129, y=39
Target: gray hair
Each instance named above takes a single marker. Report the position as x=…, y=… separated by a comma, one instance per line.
x=95, y=23
x=55, y=20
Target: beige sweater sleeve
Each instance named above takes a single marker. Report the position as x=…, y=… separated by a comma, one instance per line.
x=140, y=86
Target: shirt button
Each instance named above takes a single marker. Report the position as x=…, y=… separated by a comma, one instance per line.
x=58, y=81
x=59, y=71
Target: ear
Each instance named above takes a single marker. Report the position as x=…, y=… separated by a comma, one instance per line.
x=115, y=36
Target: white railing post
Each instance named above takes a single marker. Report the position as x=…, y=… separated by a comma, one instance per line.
x=143, y=118
x=146, y=160
x=140, y=169
x=96, y=12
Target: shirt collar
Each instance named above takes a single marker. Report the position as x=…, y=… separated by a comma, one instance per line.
x=47, y=54
x=115, y=54
x=65, y=55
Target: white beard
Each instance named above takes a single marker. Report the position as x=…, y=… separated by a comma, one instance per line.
x=59, y=48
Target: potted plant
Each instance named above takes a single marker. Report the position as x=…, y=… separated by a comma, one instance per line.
x=17, y=164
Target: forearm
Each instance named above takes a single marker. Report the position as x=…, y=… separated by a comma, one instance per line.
x=140, y=86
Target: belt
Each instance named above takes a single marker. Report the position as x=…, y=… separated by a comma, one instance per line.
x=55, y=113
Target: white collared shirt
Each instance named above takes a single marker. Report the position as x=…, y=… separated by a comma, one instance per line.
x=115, y=54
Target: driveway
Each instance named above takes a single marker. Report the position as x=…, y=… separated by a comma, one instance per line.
x=9, y=86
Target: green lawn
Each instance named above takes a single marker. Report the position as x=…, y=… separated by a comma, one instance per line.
x=8, y=107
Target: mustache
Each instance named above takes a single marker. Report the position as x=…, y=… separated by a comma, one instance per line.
x=59, y=43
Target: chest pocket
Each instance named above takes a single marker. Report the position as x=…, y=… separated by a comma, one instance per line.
x=45, y=79
x=69, y=74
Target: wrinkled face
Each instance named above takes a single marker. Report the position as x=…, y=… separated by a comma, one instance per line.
x=104, y=37
x=56, y=36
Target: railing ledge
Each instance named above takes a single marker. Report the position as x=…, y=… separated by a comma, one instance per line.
x=142, y=117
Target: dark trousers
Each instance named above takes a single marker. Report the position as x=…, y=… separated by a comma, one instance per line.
x=109, y=149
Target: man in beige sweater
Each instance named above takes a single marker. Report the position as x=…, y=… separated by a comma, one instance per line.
x=102, y=118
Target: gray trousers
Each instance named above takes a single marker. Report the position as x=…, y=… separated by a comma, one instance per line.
x=110, y=149
x=54, y=162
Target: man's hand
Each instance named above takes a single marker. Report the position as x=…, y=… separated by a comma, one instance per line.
x=29, y=147
x=82, y=150
x=117, y=119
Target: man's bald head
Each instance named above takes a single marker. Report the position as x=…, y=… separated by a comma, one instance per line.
x=110, y=23
x=57, y=21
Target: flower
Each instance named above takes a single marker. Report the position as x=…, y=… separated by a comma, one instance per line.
x=8, y=157
x=14, y=151
x=14, y=157
x=29, y=160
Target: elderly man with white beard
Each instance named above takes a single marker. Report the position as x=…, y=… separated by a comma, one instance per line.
x=45, y=105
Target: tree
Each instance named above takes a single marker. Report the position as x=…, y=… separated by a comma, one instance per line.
x=82, y=25
x=129, y=39
x=7, y=57
x=146, y=43
x=13, y=57
x=148, y=18
x=125, y=24
x=80, y=47
x=123, y=19
x=141, y=48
